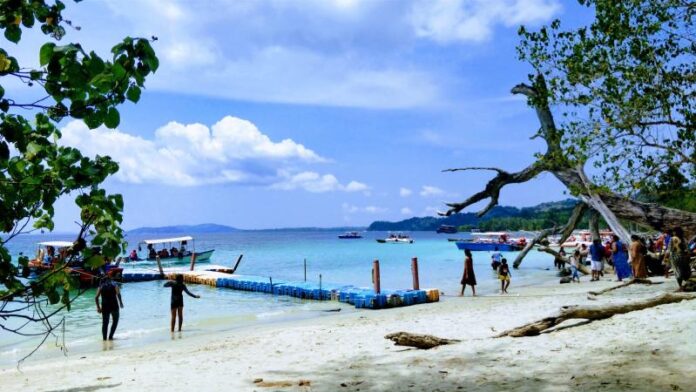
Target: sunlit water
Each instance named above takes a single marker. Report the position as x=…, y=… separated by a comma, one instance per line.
x=276, y=254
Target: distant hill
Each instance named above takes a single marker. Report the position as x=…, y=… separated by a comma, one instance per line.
x=499, y=218
x=184, y=229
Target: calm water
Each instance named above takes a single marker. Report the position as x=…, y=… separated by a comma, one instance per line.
x=277, y=254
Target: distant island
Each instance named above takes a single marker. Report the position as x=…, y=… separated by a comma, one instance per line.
x=499, y=218
x=184, y=229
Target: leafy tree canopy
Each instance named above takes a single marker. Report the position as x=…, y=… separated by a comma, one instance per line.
x=72, y=83
x=627, y=87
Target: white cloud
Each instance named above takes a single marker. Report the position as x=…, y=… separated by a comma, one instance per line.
x=353, y=209
x=406, y=211
x=316, y=183
x=405, y=192
x=232, y=150
x=446, y=21
x=428, y=190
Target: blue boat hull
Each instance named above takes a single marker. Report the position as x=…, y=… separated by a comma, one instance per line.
x=484, y=246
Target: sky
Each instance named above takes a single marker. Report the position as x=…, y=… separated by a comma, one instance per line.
x=326, y=113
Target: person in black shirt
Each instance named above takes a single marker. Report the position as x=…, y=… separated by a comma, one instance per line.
x=110, y=300
x=177, y=305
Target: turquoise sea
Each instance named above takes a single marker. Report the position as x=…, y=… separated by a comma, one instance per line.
x=279, y=254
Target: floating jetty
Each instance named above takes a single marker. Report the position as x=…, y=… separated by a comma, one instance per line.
x=217, y=276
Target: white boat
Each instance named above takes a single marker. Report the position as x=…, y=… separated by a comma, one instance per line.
x=170, y=253
x=398, y=238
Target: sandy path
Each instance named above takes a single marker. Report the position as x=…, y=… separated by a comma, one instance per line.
x=650, y=350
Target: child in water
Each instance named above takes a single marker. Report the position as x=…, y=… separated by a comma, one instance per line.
x=504, y=276
x=177, y=306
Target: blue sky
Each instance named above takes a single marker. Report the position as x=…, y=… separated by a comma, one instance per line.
x=313, y=113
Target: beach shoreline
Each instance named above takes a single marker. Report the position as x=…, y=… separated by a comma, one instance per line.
x=646, y=350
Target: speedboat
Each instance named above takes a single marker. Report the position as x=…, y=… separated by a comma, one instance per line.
x=492, y=241
x=397, y=238
x=350, y=235
x=446, y=229
x=168, y=252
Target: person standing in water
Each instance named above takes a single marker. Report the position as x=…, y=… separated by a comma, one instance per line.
x=469, y=278
x=110, y=300
x=495, y=258
x=504, y=276
x=177, y=305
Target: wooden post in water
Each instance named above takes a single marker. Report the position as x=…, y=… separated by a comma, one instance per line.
x=305, y=270
x=159, y=265
x=414, y=272
x=375, y=276
x=271, y=279
x=320, y=285
x=193, y=260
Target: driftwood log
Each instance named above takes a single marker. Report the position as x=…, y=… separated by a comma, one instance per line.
x=582, y=268
x=592, y=313
x=418, y=341
x=627, y=283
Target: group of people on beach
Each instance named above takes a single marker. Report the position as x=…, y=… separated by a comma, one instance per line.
x=499, y=265
x=665, y=254
x=111, y=301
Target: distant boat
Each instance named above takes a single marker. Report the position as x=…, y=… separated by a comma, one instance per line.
x=350, y=235
x=53, y=254
x=176, y=254
x=492, y=240
x=446, y=229
x=398, y=238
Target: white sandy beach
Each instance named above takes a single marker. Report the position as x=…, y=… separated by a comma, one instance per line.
x=649, y=350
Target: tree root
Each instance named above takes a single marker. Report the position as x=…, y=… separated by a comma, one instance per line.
x=592, y=313
x=424, y=342
x=628, y=283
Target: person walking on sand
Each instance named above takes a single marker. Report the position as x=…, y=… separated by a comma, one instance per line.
x=637, y=252
x=504, y=276
x=620, y=257
x=177, y=305
x=469, y=277
x=110, y=300
x=679, y=257
x=597, y=257
x=574, y=265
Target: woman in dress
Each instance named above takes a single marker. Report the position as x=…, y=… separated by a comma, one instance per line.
x=679, y=257
x=638, y=251
x=620, y=257
x=469, y=278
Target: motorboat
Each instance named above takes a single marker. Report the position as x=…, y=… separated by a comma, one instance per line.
x=491, y=241
x=54, y=254
x=348, y=235
x=446, y=229
x=173, y=250
x=397, y=238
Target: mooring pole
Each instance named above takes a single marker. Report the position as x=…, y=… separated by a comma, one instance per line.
x=159, y=265
x=193, y=260
x=320, y=283
x=305, y=270
x=414, y=272
x=271, y=279
x=375, y=276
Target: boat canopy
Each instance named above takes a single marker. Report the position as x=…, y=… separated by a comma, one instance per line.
x=492, y=233
x=165, y=240
x=57, y=244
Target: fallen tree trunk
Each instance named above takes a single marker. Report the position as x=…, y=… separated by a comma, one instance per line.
x=582, y=268
x=628, y=283
x=419, y=341
x=613, y=207
x=591, y=313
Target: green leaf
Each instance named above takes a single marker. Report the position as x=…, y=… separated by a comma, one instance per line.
x=95, y=261
x=46, y=52
x=13, y=33
x=112, y=119
x=133, y=94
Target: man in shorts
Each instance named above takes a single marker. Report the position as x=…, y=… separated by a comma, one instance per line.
x=597, y=257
